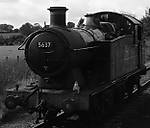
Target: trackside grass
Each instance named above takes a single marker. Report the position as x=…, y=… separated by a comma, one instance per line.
x=13, y=68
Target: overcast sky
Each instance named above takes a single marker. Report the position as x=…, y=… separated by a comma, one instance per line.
x=17, y=12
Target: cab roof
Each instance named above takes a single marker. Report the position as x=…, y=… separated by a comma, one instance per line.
x=116, y=15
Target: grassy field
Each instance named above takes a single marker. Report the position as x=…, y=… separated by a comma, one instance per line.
x=13, y=68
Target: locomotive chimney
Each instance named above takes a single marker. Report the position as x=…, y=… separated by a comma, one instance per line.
x=58, y=16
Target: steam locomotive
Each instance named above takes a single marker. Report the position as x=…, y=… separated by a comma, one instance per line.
x=86, y=69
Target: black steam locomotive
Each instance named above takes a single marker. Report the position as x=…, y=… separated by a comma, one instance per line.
x=87, y=69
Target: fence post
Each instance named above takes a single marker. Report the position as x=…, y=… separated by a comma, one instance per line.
x=18, y=59
x=6, y=58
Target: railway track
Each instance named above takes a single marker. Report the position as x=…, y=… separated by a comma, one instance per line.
x=133, y=113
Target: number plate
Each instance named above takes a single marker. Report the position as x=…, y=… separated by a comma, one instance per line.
x=46, y=44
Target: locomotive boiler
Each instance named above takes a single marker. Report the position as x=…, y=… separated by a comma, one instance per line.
x=86, y=69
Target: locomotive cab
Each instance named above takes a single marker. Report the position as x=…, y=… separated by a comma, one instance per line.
x=111, y=23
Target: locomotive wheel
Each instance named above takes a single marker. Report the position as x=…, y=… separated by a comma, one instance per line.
x=101, y=110
x=108, y=101
x=103, y=105
x=10, y=102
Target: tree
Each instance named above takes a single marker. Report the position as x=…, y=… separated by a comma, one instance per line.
x=26, y=29
x=6, y=28
x=70, y=25
x=16, y=30
x=2, y=40
x=146, y=23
